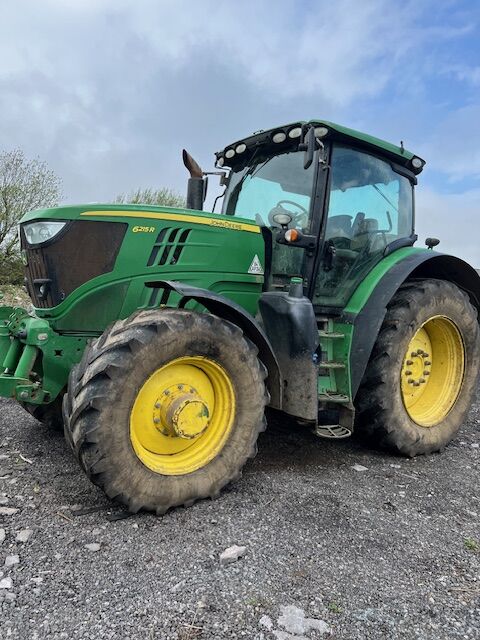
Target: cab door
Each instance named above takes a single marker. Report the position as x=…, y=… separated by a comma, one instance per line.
x=369, y=206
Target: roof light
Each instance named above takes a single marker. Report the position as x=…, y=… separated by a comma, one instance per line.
x=241, y=148
x=229, y=153
x=321, y=132
x=220, y=161
x=280, y=136
x=296, y=132
x=417, y=163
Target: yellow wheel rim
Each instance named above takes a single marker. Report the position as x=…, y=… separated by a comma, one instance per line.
x=432, y=371
x=182, y=415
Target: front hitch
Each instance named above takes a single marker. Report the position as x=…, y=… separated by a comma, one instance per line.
x=21, y=337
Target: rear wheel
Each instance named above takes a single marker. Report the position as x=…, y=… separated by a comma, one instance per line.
x=165, y=408
x=422, y=374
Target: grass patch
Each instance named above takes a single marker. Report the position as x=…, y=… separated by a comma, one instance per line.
x=14, y=296
x=471, y=545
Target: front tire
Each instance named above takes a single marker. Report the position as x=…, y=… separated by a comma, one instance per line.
x=422, y=374
x=165, y=408
x=48, y=414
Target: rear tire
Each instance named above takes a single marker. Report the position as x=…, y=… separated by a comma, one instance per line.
x=107, y=412
x=424, y=414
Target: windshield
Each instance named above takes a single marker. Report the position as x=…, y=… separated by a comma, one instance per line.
x=271, y=185
x=256, y=190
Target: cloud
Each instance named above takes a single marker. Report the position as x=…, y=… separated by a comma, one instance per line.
x=109, y=91
x=454, y=218
x=453, y=144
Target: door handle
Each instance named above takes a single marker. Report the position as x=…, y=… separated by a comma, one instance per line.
x=329, y=256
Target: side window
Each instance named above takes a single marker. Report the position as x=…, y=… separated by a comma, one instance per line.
x=370, y=206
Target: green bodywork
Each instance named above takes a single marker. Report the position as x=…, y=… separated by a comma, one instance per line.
x=340, y=350
x=217, y=257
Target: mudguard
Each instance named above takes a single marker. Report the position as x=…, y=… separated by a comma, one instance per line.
x=368, y=320
x=233, y=312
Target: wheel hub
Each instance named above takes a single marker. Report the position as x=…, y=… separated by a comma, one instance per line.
x=181, y=412
x=432, y=371
x=182, y=415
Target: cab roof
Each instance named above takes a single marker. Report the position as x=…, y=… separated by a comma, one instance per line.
x=397, y=154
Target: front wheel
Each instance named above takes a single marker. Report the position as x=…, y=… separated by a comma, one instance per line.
x=165, y=408
x=421, y=377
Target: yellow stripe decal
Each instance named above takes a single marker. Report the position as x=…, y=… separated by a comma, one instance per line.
x=180, y=217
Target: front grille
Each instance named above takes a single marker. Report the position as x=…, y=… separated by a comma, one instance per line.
x=83, y=250
x=168, y=246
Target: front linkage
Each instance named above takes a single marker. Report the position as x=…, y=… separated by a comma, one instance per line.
x=35, y=360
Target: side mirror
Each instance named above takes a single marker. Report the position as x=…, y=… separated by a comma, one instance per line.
x=308, y=145
x=432, y=242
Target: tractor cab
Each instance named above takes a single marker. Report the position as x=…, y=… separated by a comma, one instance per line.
x=331, y=201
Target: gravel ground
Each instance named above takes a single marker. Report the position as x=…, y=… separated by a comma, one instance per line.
x=341, y=542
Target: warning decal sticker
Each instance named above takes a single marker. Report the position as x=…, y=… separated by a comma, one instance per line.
x=256, y=266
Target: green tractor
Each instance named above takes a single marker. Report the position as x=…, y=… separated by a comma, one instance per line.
x=159, y=336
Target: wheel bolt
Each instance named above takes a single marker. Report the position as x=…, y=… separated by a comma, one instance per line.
x=158, y=405
x=409, y=363
x=166, y=392
x=426, y=373
x=156, y=420
x=411, y=381
x=408, y=373
x=413, y=354
x=416, y=384
x=180, y=386
x=427, y=363
x=422, y=380
x=420, y=352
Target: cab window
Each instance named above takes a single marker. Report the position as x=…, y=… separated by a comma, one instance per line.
x=369, y=207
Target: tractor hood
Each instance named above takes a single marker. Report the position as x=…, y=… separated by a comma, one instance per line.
x=73, y=250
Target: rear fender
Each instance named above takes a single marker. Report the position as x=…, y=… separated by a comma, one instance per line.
x=368, y=320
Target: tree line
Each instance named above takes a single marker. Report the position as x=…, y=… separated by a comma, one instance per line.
x=28, y=184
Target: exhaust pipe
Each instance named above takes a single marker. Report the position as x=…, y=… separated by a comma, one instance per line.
x=197, y=184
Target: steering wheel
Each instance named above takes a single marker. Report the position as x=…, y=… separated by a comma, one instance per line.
x=298, y=219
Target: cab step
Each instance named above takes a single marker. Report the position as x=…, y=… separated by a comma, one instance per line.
x=331, y=364
x=331, y=334
x=331, y=396
x=332, y=431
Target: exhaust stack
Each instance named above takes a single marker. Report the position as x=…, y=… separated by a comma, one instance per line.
x=197, y=184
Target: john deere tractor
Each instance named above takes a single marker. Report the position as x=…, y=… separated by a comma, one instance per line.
x=159, y=336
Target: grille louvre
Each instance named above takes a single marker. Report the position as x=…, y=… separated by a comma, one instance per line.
x=169, y=246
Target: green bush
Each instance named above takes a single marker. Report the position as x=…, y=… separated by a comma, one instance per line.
x=11, y=270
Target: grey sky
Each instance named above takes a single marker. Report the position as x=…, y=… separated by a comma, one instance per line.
x=109, y=91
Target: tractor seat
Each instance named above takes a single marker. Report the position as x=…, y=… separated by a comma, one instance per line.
x=364, y=231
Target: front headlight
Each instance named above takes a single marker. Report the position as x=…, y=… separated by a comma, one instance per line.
x=38, y=232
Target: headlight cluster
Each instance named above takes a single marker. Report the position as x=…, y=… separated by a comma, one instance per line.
x=41, y=231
